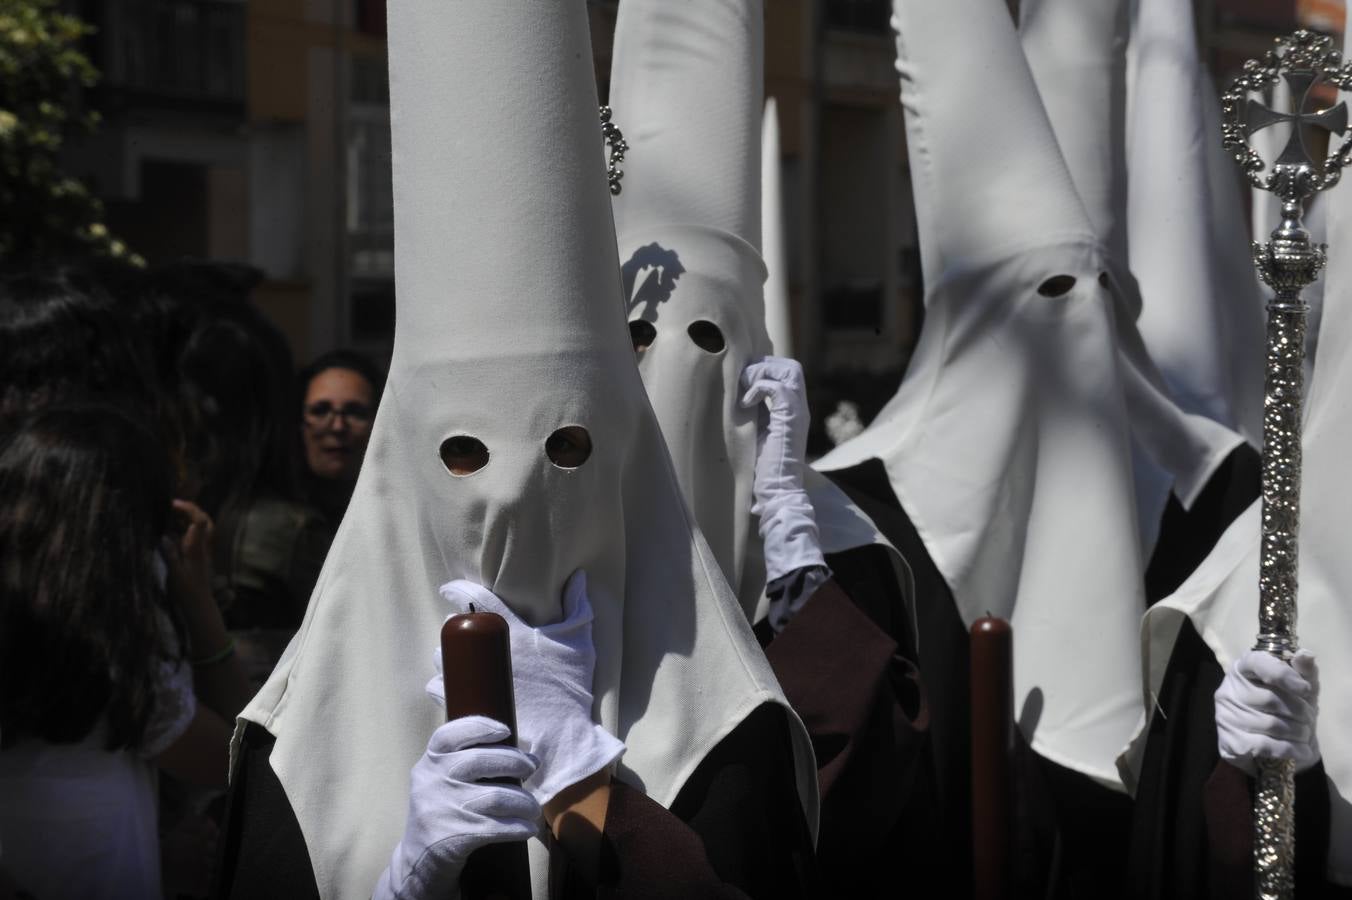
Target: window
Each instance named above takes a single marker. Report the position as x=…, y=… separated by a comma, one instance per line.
x=176, y=49
x=855, y=217
x=859, y=15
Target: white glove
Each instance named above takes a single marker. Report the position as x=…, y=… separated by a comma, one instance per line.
x=1267, y=709
x=788, y=524
x=452, y=812
x=552, y=670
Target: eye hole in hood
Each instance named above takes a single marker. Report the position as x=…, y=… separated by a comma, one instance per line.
x=706, y=336
x=569, y=447
x=642, y=333
x=1056, y=286
x=463, y=455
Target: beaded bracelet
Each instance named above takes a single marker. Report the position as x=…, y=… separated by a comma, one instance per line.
x=219, y=656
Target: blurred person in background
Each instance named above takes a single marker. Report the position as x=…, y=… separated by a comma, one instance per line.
x=63, y=337
x=113, y=654
x=229, y=372
x=181, y=347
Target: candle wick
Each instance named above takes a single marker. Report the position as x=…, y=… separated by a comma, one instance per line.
x=471, y=608
x=989, y=614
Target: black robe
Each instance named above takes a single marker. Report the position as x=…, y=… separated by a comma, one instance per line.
x=846, y=664
x=735, y=830
x=1071, y=833
x=1187, y=535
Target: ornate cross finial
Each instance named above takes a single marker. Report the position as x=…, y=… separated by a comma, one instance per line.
x=1334, y=120
x=1304, y=59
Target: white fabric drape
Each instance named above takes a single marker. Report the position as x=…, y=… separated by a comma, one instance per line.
x=1202, y=316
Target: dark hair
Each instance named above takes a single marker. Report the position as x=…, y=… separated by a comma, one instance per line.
x=226, y=371
x=86, y=498
x=233, y=384
x=351, y=360
x=62, y=339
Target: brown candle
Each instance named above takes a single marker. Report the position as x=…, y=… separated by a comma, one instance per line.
x=476, y=661
x=476, y=658
x=992, y=754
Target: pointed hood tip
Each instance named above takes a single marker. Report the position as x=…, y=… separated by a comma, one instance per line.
x=458, y=219
x=659, y=83
x=966, y=216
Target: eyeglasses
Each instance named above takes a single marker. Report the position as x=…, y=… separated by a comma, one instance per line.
x=323, y=413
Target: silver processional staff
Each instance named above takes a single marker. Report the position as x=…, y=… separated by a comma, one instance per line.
x=1286, y=263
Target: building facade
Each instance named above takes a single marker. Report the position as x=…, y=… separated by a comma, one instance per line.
x=258, y=131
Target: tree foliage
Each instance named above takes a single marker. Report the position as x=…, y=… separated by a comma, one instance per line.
x=46, y=214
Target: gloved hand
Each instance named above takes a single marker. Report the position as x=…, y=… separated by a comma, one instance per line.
x=1267, y=709
x=788, y=524
x=790, y=594
x=452, y=812
x=552, y=669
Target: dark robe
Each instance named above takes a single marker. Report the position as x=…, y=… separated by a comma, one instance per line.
x=1071, y=833
x=944, y=661
x=735, y=830
x=846, y=664
x=1192, y=833
x=1187, y=536
x=268, y=557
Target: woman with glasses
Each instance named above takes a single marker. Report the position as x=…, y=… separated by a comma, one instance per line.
x=339, y=391
x=277, y=544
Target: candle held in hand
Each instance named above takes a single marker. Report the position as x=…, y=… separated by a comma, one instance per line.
x=476, y=658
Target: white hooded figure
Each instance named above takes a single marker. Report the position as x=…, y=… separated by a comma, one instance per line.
x=1078, y=56
x=514, y=449
x=687, y=90
x=1008, y=444
x=1264, y=708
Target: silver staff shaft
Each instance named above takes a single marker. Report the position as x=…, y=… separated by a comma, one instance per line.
x=1287, y=263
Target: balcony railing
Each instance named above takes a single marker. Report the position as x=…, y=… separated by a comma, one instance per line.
x=185, y=50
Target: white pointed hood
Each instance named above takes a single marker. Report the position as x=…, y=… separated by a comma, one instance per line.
x=1007, y=442
x=1202, y=318
x=686, y=88
x=778, y=317
x=510, y=326
x=1077, y=53
x=1221, y=597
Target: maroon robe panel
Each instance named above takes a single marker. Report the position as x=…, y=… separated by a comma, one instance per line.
x=865, y=709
